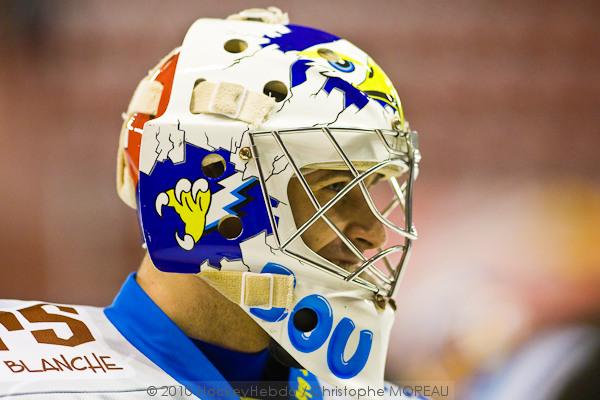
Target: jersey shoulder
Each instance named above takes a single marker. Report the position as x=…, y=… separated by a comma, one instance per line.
x=47, y=349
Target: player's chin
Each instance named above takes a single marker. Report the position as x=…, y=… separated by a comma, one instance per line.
x=335, y=254
x=354, y=265
x=349, y=266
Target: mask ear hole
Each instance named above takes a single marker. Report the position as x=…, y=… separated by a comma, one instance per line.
x=306, y=319
x=235, y=45
x=276, y=89
x=230, y=227
x=213, y=165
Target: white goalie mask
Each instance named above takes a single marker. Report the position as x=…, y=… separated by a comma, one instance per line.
x=273, y=161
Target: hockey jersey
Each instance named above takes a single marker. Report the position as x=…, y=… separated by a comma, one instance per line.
x=129, y=350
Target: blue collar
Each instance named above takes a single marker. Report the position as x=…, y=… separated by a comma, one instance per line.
x=149, y=330
x=229, y=362
x=152, y=332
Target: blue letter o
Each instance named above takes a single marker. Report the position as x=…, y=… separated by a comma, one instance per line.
x=307, y=342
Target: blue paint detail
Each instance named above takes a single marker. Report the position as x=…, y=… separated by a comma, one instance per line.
x=159, y=233
x=311, y=341
x=299, y=69
x=138, y=213
x=274, y=204
x=343, y=68
x=313, y=392
x=240, y=193
x=351, y=94
x=241, y=196
x=149, y=329
x=299, y=38
x=276, y=313
x=342, y=368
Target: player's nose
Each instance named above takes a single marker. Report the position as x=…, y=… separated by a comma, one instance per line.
x=365, y=230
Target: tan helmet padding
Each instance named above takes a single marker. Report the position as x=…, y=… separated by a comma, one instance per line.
x=256, y=288
x=145, y=100
x=125, y=185
x=231, y=100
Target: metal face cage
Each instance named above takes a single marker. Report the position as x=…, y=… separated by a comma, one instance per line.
x=397, y=149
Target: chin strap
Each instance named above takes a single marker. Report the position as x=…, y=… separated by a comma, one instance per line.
x=251, y=289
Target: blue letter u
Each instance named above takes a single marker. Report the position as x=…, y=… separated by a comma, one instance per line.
x=335, y=353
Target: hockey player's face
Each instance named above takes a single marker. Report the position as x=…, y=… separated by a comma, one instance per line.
x=351, y=215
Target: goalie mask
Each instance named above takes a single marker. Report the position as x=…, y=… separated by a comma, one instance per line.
x=273, y=161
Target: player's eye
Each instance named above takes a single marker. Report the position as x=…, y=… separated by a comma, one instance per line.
x=336, y=187
x=342, y=65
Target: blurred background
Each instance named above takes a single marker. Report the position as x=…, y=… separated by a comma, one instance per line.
x=502, y=296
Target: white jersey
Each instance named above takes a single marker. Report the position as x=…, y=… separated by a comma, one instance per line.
x=61, y=352
x=130, y=350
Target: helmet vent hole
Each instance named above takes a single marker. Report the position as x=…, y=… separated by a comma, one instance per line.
x=329, y=55
x=199, y=81
x=276, y=89
x=213, y=165
x=305, y=319
x=230, y=227
x=235, y=45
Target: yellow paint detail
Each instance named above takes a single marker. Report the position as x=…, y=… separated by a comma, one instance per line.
x=191, y=211
x=375, y=84
x=376, y=81
x=303, y=391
